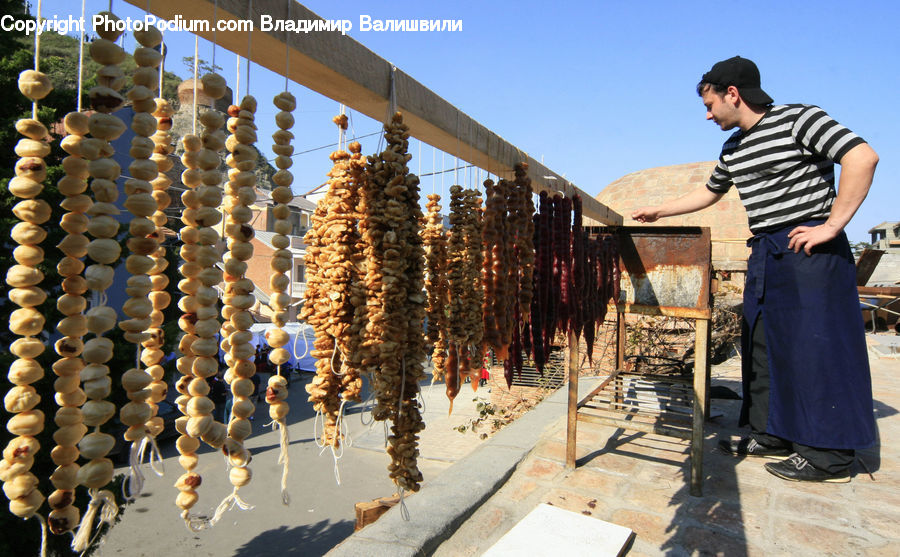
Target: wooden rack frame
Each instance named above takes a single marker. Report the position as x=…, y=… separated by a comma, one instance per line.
x=665, y=271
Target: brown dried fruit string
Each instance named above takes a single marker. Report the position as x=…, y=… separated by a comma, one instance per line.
x=334, y=267
x=394, y=281
x=435, y=242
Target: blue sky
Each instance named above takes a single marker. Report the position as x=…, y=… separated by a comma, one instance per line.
x=601, y=89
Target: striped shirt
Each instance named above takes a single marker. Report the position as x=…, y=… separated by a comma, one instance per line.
x=783, y=167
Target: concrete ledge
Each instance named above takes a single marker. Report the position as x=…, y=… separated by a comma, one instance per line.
x=445, y=503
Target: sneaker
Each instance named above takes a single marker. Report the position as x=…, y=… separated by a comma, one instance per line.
x=748, y=446
x=798, y=469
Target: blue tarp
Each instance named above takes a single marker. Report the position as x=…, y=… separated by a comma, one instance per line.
x=300, y=345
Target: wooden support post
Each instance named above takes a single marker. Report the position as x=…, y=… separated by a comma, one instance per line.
x=620, y=340
x=620, y=355
x=701, y=380
x=708, y=366
x=572, y=421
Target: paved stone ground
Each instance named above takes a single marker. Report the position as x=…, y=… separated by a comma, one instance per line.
x=639, y=481
x=321, y=513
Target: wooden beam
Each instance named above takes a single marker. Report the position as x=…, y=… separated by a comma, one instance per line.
x=342, y=69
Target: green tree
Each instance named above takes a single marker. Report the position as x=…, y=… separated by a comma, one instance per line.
x=203, y=67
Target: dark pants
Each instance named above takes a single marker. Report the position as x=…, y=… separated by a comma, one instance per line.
x=829, y=460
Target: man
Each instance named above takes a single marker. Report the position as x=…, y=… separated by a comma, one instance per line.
x=806, y=382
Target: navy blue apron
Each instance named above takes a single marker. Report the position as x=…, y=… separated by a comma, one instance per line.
x=820, y=391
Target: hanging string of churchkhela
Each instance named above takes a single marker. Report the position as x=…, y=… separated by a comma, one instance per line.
x=350, y=338
x=505, y=221
x=436, y=285
x=24, y=278
x=277, y=337
x=104, y=250
x=471, y=347
x=525, y=253
x=577, y=314
x=239, y=298
x=457, y=273
x=396, y=305
x=539, y=297
x=592, y=298
x=143, y=243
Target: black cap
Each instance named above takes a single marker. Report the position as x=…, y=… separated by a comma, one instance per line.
x=741, y=73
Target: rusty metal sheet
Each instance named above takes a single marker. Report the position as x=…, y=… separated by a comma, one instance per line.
x=665, y=270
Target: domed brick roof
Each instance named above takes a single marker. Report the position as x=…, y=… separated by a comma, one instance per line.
x=727, y=219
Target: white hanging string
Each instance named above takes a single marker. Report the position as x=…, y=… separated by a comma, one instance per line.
x=103, y=502
x=287, y=48
x=337, y=350
x=249, y=43
x=404, y=512
x=305, y=342
x=37, y=59
x=341, y=132
x=196, y=84
x=433, y=177
x=229, y=503
x=80, y=60
x=215, y=18
x=237, y=83
x=283, y=458
x=367, y=407
x=392, y=102
x=456, y=169
x=162, y=62
x=319, y=439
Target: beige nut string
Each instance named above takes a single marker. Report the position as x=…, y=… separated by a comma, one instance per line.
x=237, y=343
x=104, y=250
x=280, y=282
x=19, y=484
x=142, y=329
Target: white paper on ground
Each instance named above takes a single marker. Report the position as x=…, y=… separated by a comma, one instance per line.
x=549, y=530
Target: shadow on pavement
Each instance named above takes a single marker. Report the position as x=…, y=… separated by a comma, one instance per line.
x=307, y=540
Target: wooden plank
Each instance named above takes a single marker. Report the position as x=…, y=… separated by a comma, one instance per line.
x=340, y=68
x=368, y=512
x=636, y=426
x=599, y=388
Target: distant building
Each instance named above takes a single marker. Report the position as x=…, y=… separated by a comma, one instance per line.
x=263, y=222
x=886, y=236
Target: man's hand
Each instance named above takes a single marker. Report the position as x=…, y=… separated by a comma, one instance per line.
x=646, y=214
x=807, y=237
